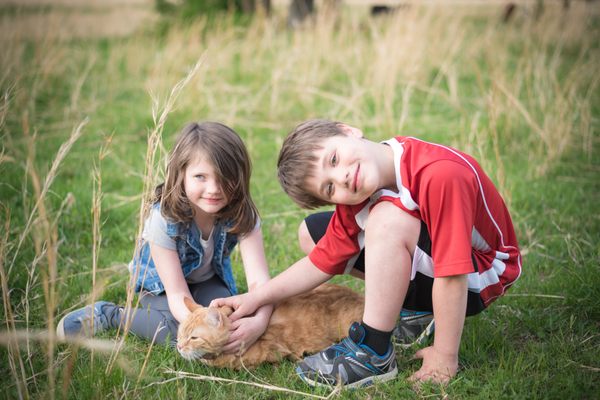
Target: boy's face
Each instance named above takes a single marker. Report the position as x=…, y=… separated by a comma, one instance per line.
x=347, y=169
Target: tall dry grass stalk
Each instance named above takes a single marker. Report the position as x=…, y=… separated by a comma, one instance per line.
x=160, y=112
x=15, y=362
x=50, y=176
x=96, y=222
x=209, y=378
x=45, y=237
x=40, y=224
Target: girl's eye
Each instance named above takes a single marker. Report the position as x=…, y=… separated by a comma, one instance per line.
x=334, y=159
x=200, y=177
x=329, y=189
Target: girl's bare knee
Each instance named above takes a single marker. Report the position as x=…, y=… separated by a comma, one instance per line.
x=304, y=239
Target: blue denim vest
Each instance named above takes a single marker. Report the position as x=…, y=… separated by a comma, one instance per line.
x=187, y=240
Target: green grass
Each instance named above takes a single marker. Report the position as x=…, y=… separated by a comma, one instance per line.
x=522, y=98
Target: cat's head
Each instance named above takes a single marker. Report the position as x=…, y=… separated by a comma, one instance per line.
x=205, y=331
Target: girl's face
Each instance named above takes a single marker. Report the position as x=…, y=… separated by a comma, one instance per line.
x=202, y=188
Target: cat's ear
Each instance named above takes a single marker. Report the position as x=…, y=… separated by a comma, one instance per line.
x=213, y=317
x=190, y=304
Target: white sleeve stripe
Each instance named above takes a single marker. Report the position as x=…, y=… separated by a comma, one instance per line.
x=404, y=193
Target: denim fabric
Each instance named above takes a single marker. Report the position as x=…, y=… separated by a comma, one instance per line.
x=187, y=240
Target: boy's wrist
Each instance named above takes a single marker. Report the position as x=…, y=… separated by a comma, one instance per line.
x=257, y=299
x=444, y=351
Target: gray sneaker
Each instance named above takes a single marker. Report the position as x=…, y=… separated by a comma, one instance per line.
x=413, y=327
x=350, y=362
x=79, y=322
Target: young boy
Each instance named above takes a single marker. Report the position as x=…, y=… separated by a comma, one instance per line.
x=435, y=235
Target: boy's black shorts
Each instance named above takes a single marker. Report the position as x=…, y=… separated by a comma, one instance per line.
x=418, y=297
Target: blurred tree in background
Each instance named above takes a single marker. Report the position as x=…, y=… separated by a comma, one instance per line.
x=193, y=8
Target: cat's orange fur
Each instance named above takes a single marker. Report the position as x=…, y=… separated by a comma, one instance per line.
x=303, y=324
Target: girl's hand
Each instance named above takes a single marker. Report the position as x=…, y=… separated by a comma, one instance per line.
x=437, y=367
x=245, y=331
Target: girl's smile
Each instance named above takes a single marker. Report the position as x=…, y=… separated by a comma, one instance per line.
x=202, y=187
x=213, y=200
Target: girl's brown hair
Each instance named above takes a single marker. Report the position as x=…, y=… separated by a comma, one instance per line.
x=227, y=153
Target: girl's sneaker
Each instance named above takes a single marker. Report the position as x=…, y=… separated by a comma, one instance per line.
x=350, y=362
x=79, y=322
x=413, y=327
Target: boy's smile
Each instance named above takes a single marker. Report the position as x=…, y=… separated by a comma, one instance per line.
x=349, y=169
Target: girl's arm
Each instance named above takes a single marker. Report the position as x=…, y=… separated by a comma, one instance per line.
x=169, y=270
x=247, y=330
x=253, y=258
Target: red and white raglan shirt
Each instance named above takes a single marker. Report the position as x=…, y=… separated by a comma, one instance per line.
x=465, y=216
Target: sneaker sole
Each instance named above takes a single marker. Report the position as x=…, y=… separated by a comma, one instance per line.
x=421, y=338
x=358, y=384
x=60, y=329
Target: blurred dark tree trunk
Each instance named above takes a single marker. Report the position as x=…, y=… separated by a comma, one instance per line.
x=299, y=10
x=249, y=6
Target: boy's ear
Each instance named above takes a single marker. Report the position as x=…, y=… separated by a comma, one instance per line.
x=351, y=131
x=191, y=304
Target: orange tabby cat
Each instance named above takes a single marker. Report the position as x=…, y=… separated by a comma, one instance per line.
x=302, y=324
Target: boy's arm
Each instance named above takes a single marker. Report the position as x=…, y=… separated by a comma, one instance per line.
x=299, y=278
x=440, y=361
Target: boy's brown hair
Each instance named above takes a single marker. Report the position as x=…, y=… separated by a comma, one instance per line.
x=297, y=159
x=227, y=153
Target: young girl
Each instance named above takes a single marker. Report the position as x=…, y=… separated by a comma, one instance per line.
x=200, y=213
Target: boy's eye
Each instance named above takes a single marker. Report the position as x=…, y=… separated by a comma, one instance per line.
x=329, y=189
x=334, y=159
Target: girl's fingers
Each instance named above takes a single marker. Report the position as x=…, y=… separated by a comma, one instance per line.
x=236, y=315
x=234, y=325
x=231, y=348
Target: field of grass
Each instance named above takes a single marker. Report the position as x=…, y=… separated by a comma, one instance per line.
x=85, y=122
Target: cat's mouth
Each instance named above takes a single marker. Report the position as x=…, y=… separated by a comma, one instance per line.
x=198, y=355
x=208, y=356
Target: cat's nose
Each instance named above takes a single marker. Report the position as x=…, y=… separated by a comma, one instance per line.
x=179, y=346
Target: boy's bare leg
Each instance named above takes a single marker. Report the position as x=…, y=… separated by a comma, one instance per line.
x=304, y=239
x=391, y=236
x=307, y=243
x=367, y=355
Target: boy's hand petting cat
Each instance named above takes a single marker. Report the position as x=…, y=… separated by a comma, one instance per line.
x=437, y=367
x=243, y=304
